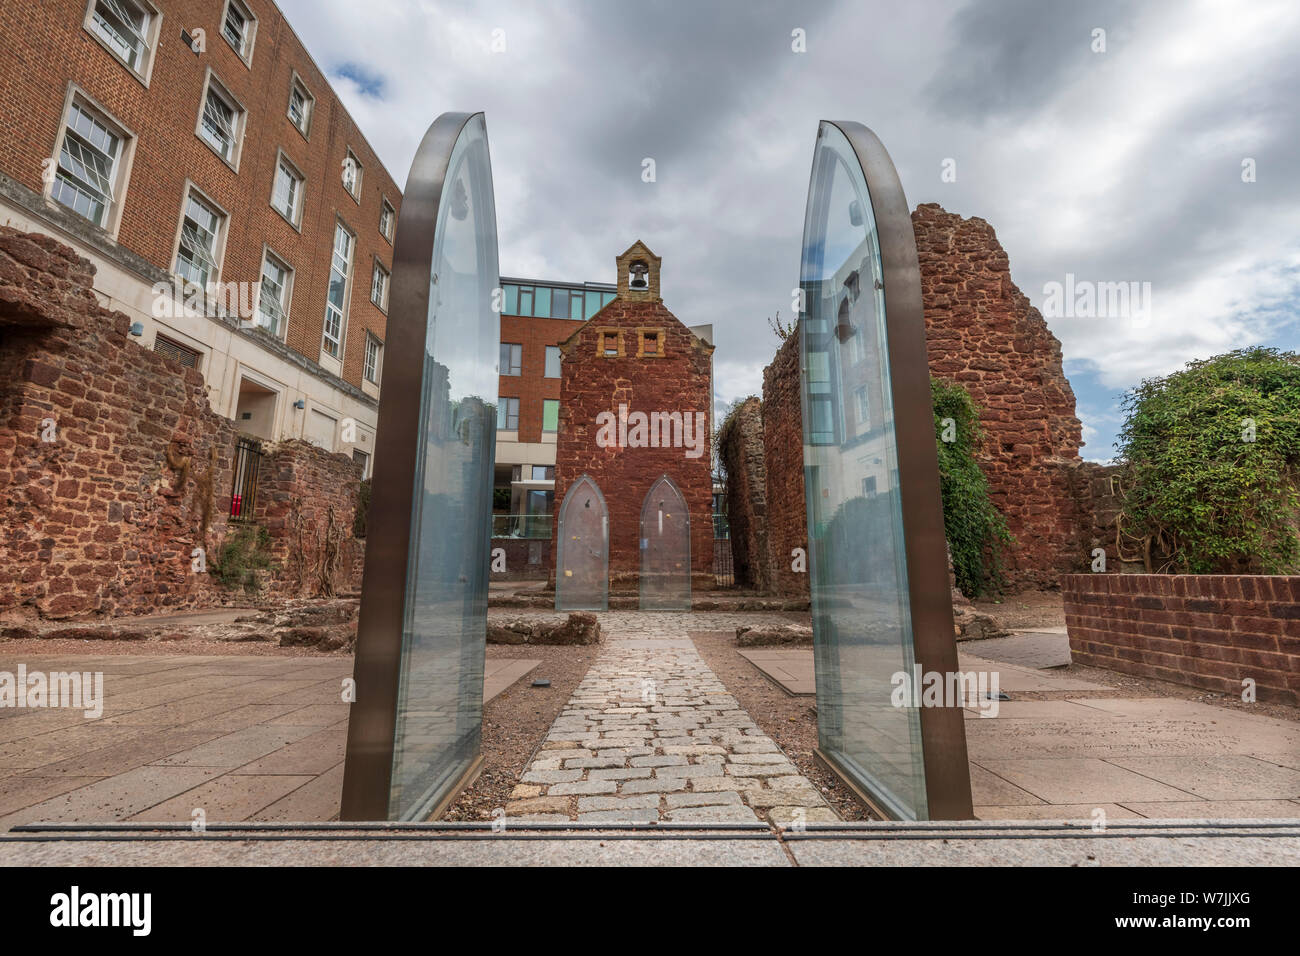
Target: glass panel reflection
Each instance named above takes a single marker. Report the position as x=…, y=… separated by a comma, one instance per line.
x=665, y=549
x=440, y=695
x=861, y=616
x=582, y=566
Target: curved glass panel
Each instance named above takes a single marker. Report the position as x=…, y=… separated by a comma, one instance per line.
x=861, y=617
x=665, y=549
x=440, y=692
x=582, y=568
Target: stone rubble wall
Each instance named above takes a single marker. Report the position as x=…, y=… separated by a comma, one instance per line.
x=740, y=447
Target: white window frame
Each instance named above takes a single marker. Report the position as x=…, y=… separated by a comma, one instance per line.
x=212, y=84
x=120, y=175
x=559, y=360
x=387, y=209
x=294, y=217
x=355, y=191
x=143, y=69
x=245, y=53
x=219, y=241
x=326, y=338
x=296, y=84
x=269, y=254
x=372, y=370
x=376, y=271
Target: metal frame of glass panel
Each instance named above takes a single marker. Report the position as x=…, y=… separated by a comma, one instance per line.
x=665, y=579
x=877, y=555
x=415, y=727
x=582, y=549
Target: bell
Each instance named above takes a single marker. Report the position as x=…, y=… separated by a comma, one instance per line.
x=638, y=280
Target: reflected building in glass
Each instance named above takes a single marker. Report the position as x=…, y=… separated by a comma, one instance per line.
x=877, y=559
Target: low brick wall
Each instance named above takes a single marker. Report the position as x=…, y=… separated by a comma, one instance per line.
x=1210, y=631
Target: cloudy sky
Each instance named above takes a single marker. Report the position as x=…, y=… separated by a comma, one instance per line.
x=1117, y=165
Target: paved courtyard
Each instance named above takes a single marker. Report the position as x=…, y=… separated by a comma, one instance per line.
x=651, y=733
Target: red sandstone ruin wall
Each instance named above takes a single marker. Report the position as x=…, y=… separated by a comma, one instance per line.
x=740, y=448
x=591, y=384
x=982, y=333
x=103, y=518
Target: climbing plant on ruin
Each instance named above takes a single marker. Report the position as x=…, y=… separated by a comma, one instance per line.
x=975, y=529
x=1211, y=459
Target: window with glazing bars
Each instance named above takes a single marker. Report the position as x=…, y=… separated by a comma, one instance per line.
x=273, y=305
x=371, y=366
x=284, y=197
x=336, y=300
x=196, y=258
x=87, y=165
x=218, y=123
x=235, y=28
x=124, y=26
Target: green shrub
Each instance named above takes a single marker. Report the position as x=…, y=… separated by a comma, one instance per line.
x=1211, y=455
x=244, y=551
x=975, y=529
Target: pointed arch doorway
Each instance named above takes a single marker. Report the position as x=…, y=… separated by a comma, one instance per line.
x=582, y=553
x=665, y=548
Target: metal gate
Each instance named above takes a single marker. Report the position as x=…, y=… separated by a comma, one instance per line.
x=582, y=551
x=665, y=549
x=724, y=566
x=243, y=490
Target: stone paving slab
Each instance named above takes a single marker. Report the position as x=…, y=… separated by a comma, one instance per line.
x=789, y=669
x=500, y=672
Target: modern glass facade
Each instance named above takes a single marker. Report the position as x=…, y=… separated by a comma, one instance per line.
x=554, y=301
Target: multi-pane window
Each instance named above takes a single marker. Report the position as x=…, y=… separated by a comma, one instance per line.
x=508, y=414
x=237, y=27
x=124, y=26
x=551, y=415
x=87, y=168
x=300, y=106
x=273, y=303
x=863, y=405
x=373, y=352
x=352, y=175
x=552, y=361
x=336, y=300
x=387, y=215
x=379, y=286
x=219, y=124
x=543, y=472
x=553, y=303
x=286, y=196
x=512, y=359
x=196, y=259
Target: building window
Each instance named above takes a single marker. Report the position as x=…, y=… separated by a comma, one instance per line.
x=239, y=26
x=221, y=121
x=863, y=405
x=336, y=300
x=176, y=352
x=610, y=344
x=301, y=104
x=352, y=175
x=89, y=160
x=552, y=361
x=512, y=359
x=286, y=195
x=374, y=358
x=196, y=256
x=379, y=286
x=508, y=414
x=362, y=459
x=650, y=344
x=126, y=28
x=273, y=298
x=387, y=216
x=543, y=472
x=551, y=415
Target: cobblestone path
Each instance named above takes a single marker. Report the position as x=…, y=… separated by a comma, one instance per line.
x=652, y=734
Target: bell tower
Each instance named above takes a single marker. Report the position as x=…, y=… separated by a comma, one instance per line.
x=638, y=274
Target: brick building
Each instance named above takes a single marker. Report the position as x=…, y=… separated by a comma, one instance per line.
x=634, y=439
x=184, y=145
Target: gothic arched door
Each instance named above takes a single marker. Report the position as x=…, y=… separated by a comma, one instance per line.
x=582, y=552
x=665, y=549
